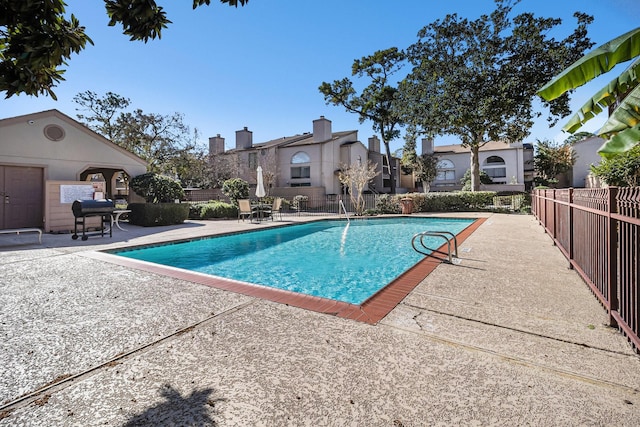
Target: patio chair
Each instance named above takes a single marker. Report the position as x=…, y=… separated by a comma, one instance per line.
x=244, y=209
x=276, y=208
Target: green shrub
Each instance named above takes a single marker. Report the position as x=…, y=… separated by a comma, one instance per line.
x=195, y=210
x=152, y=214
x=236, y=188
x=156, y=188
x=450, y=202
x=623, y=170
x=386, y=204
x=212, y=209
x=218, y=210
x=466, y=179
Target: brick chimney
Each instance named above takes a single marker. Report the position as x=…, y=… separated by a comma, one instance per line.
x=374, y=144
x=321, y=129
x=427, y=146
x=244, y=139
x=216, y=145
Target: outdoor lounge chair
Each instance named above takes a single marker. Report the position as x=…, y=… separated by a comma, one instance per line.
x=275, y=208
x=244, y=209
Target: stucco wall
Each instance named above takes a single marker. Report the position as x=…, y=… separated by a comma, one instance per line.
x=512, y=156
x=24, y=143
x=586, y=155
x=284, y=162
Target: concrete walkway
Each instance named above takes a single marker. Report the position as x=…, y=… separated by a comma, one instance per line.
x=510, y=336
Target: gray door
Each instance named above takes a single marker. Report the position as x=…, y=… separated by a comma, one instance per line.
x=21, y=195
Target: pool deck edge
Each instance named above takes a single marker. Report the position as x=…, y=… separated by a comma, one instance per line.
x=371, y=311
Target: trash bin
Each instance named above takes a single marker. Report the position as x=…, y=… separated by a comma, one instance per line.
x=407, y=205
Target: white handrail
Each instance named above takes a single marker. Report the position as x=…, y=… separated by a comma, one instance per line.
x=341, y=204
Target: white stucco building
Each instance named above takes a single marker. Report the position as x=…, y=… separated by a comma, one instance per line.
x=510, y=166
x=586, y=155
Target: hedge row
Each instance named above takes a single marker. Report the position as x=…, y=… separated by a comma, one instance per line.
x=212, y=209
x=451, y=202
x=152, y=214
x=437, y=202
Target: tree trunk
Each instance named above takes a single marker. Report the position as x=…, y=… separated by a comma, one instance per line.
x=426, y=186
x=392, y=177
x=475, y=168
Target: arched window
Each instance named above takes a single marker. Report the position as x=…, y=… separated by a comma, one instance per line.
x=301, y=172
x=494, y=161
x=300, y=157
x=494, y=166
x=446, y=170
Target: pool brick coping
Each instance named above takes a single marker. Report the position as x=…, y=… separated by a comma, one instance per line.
x=371, y=311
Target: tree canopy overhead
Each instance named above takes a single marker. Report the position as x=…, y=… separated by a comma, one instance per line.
x=37, y=38
x=375, y=102
x=477, y=79
x=164, y=141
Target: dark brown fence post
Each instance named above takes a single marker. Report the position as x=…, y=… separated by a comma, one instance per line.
x=570, y=240
x=612, y=254
x=555, y=218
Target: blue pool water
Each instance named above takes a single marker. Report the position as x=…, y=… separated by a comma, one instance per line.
x=325, y=258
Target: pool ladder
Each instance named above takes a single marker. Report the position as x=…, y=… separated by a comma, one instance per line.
x=446, y=235
x=341, y=205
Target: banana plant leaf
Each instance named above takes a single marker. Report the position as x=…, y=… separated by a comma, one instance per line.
x=625, y=116
x=608, y=95
x=593, y=64
x=621, y=142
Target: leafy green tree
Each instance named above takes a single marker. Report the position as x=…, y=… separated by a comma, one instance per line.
x=375, y=101
x=407, y=154
x=466, y=179
x=37, y=38
x=158, y=139
x=622, y=170
x=192, y=167
x=101, y=112
x=224, y=166
x=477, y=79
x=424, y=167
x=622, y=94
x=577, y=137
x=157, y=188
x=235, y=188
x=552, y=159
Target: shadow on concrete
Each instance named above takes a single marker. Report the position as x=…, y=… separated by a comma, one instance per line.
x=177, y=410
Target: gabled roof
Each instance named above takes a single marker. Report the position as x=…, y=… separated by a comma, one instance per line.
x=459, y=148
x=55, y=113
x=293, y=141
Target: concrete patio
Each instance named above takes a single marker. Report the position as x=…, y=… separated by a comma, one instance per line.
x=510, y=336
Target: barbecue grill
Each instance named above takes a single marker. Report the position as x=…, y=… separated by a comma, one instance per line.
x=82, y=209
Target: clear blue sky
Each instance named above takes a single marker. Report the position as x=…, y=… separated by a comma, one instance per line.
x=260, y=65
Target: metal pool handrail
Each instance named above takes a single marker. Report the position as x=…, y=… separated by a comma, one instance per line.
x=442, y=234
x=341, y=204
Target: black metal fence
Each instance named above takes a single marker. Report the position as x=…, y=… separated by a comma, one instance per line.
x=310, y=205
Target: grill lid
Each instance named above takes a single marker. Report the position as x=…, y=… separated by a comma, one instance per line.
x=85, y=207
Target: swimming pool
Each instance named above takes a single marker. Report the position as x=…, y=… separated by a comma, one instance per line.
x=330, y=259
